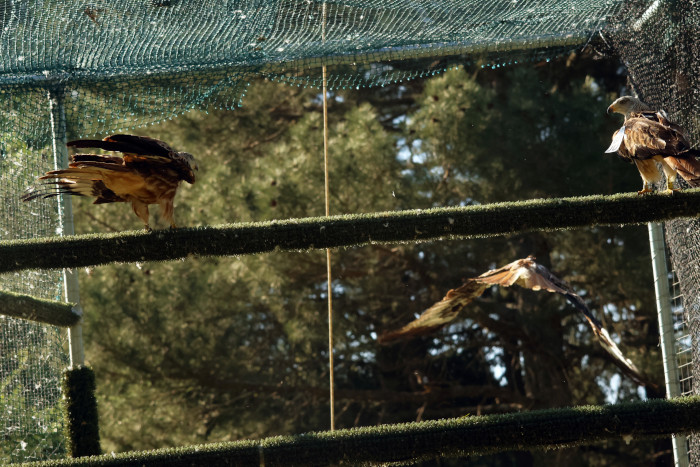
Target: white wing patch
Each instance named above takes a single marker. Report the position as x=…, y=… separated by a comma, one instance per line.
x=617, y=140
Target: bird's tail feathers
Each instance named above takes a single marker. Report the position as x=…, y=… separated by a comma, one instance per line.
x=687, y=166
x=56, y=188
x=64, y=181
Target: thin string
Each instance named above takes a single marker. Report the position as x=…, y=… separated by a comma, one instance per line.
x=328, y=213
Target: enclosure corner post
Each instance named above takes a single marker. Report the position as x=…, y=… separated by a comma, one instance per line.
x=82, y=430
x=657, y=246
x=65, y=217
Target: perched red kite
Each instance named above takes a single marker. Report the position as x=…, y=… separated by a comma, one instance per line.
x=525, y=273
x=148, y=172
x=647, y=137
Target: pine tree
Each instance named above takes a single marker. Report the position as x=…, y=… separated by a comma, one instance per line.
x=211, y=349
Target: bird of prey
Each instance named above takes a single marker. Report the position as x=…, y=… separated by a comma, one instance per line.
x=148, y=171
x=525, y=273
x=647, y=137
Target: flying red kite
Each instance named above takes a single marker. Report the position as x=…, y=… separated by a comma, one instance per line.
x=148, y=172
x=647, y=137
x=525, y=273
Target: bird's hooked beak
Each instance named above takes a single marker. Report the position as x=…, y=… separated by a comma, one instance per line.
x=612, y=109
x=191, y=177
x=191, y=165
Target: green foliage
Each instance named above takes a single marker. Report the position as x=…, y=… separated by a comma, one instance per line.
x=218, y=349
x=520, y=137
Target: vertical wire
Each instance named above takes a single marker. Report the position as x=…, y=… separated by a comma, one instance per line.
x=328, y=213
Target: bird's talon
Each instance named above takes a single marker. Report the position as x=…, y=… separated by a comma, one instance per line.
x=644, y=190
x=671, y=188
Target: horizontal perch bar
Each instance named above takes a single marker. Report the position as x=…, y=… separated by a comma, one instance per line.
x=38, y=309
x=347, y=230
x=469, y=435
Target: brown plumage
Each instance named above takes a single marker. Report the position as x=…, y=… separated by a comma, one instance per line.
x=148, y=172
x=438, y=315
x=648, y=137
x=525, y=273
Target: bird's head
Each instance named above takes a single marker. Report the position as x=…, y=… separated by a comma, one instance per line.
x=189, y=164
x=625, y=105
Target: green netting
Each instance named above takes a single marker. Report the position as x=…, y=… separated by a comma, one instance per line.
x=31, y=419
x=127, y=63
x=659, y=43
x=33, y=356
x=115, y=65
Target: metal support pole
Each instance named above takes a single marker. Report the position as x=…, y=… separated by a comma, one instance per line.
x=65, y=220
x=329, y=278
x=663, y=306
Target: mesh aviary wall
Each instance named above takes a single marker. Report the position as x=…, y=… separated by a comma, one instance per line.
x=122, y=64
x=32, y=355
x=116, y=65
x=659, y=43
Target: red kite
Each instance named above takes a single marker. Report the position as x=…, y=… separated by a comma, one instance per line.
x=525, y=273
x=647, y=137
x=148, y=172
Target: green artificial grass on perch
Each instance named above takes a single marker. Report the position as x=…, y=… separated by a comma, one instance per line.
x=82, y=429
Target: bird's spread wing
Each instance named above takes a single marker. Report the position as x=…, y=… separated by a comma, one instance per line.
x=622, y=362
x=438, y=315
x=128, y=144
x=140, y=152
x=531, y=275
x=113, y=178
x=525, y=273
x=146, y=155
x=101, y=158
